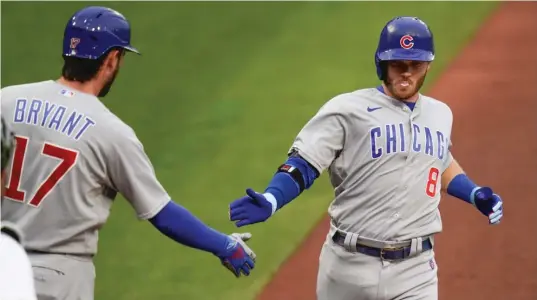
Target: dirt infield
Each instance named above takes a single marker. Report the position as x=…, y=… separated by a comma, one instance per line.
x=492, y=90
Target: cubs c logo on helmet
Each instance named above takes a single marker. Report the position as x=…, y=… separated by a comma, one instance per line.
x=406, y=41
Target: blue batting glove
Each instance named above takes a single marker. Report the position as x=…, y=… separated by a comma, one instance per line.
x=488, y=203
x=250, y=209
x=237, y=256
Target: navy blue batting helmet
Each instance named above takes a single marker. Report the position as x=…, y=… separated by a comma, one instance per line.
x=94, y=30
x=404, y=38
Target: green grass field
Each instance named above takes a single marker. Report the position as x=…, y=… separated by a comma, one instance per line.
x=217, y=97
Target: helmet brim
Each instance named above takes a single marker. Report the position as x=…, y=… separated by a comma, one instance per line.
x=132, y=49
x=406, y=54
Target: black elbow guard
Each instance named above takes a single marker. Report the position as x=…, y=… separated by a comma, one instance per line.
x=295, y=173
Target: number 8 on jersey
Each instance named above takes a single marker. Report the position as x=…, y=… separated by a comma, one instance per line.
x=432, y=181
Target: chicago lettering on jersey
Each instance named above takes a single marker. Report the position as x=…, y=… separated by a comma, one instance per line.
x=391, y=139
x=50, y=115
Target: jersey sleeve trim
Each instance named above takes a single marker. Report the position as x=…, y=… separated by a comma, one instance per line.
x=153, y=212
x=447, y=162
x=308, y=158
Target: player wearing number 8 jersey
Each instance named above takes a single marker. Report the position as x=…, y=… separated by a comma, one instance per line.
x=73, y=156
x=387, y=151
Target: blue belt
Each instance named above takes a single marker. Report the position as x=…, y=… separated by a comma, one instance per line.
x=384, y=253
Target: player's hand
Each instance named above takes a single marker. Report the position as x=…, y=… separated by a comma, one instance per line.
x=489, y=204
x=250, y=209
x=237, y=256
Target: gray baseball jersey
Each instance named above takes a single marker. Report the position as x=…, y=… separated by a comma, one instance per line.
x=71, y=159
x=384, y=160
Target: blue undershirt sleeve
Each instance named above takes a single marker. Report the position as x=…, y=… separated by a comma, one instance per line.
x=285, y=188
x=179, y=224
x=462, y=188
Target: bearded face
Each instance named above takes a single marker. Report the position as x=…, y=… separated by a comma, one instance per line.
x=404, y=78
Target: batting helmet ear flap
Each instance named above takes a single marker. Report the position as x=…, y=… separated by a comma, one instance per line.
x=383, y=65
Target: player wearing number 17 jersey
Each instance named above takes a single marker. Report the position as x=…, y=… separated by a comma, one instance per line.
x=73, y=156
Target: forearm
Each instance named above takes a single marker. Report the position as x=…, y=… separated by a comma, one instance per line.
x=457, y=184
x=292, y=178
x=450, y=173
x=281, y=190
x=179, y=224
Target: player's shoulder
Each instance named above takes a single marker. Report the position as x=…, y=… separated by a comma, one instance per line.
x=439, y=105
x=15, y=270
x=10, y=245
x=115, y=136
x=20, y=89
x=116, y=127
x=351, y=99
x=26, y=86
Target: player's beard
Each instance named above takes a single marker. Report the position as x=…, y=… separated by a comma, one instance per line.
x=106, y=88
x=409, y=94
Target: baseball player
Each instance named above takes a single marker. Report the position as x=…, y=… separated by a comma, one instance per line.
x=16, y=280
x=387, y=151
x=73, y=156
x=16, y=276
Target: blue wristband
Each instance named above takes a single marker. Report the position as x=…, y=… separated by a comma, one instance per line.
x=462, y=188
